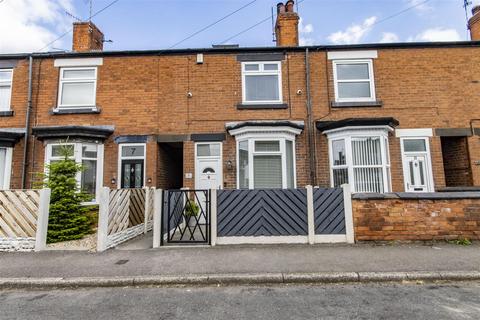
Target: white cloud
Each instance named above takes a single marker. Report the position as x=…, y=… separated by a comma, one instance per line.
x=420, y=5
x=28, y=25
x=305, y=31
x=437, y=34
x=389, y=37
x=353, y=34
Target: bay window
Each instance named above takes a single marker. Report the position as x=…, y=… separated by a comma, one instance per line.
x=89, y=155
x=262, y=82
x=77, y=87
x=360, y=157
x=5, y=167
x=266, y=163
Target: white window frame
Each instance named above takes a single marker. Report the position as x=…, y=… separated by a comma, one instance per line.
x=8, y=168
x=252, y=153
x=349, y=134
x=121, y=157
x=77, y=156
x=62, y=81
x=7, y=83
x=262, y=72
x=428, y=159
x=371, y=80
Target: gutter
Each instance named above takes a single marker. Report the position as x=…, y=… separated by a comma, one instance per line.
x=310, y=127
x=27, y=123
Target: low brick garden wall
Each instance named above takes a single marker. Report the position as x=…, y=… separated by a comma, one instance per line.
x=420, y=217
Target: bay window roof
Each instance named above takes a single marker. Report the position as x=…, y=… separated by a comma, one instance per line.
x=324, y=126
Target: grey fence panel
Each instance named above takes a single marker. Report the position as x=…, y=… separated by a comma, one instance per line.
x=262, y=212
x=329, y=211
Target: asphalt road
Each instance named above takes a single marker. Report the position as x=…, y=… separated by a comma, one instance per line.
x=371, y=301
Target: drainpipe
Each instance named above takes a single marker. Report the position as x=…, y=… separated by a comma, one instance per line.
x=310, y=127
x=27, y=123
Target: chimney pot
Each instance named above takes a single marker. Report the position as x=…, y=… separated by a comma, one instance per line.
x=474, y=24
x=290, y=6
x=476, y=9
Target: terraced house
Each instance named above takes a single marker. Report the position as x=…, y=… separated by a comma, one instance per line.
x=383, y=117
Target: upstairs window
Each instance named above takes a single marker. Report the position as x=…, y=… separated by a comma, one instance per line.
x=262, y=82
x=77, y=87
x=354, y=81
x=5, y=88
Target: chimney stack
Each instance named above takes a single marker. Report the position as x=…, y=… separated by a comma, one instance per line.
x=474, y=24
x=87, y=37
x=286, y=28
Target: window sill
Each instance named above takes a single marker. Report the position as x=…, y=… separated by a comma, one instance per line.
x=260, y=106
x=356, y=104
x=79, y=110
x=6, y=113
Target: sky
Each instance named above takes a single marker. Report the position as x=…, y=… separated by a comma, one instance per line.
x=31, y=25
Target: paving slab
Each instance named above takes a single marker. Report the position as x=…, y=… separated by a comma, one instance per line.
x=174, y=261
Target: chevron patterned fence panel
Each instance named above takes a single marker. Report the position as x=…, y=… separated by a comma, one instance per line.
x=329, y=211
x=256, y=213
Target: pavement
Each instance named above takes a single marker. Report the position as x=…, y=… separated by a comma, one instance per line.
x=241, y=264
x=331, y=301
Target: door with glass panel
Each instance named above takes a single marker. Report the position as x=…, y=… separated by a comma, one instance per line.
x=417, y=174
x=132, y=174
x=417, y=169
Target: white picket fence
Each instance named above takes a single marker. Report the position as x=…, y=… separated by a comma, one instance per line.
x=124, y=214
x=24, y=219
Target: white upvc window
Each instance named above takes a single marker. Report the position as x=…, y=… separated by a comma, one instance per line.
x=262, y=82
x=417, y=164
x=78, y=87
x=354, y=80
x=266, y=163
x=5, y=167
x=361, y=159
x=90, y=155
x=6, y=76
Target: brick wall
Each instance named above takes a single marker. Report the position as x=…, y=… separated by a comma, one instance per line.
x=456, y=162
x=405, y=219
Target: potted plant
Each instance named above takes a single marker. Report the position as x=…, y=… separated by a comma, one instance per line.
x=191, y=212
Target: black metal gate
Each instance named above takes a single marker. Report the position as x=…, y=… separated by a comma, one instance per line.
x=186, y=217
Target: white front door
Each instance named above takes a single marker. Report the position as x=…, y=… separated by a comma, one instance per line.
x=208, y=169
x=416, y=173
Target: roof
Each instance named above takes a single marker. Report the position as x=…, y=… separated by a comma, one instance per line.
x=10, y=136
x=232, y=50
x=265, y=123
x=91, y=132
x=356, y=122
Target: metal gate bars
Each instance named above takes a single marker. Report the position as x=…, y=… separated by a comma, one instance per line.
x=186, y=217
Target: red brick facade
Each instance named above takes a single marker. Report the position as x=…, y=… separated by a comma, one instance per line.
x=147, y=95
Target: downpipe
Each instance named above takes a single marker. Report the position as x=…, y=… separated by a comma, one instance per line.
x=27, y=123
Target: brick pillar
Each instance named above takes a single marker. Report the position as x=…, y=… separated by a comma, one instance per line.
x=286, y=29
x=474, y=24
x=86, y=37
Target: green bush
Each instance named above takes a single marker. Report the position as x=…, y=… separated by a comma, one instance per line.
x=191, y=209
x=68, y=218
